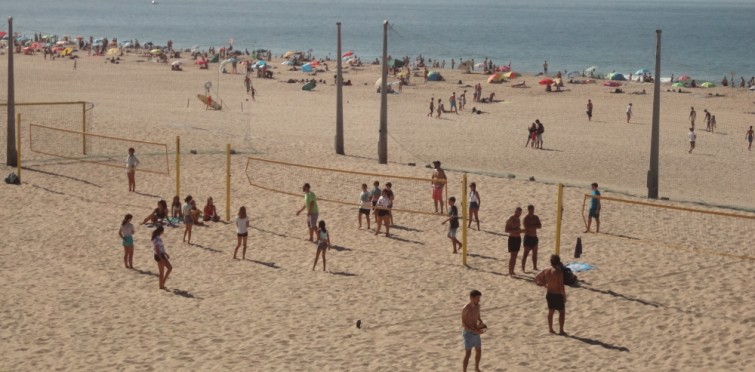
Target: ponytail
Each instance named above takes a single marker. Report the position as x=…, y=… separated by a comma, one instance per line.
x=126, y=218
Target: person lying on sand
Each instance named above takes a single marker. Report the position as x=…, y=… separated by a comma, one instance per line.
x=476, y=111
x=491, y=99
x=639, y=92
x=523, y=84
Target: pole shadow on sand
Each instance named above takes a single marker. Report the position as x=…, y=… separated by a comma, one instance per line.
x=591, y=341
x=271, y=265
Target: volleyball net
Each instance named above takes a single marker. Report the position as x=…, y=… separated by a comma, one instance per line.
x=97, y=149
x=74, y=115
x=703, y=230
x=412, y=194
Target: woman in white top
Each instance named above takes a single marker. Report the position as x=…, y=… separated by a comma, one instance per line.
x=161, y=256
x=474, y=205
x=383, y=212
x=131, y=163
x=242, y=232
x=126, y=232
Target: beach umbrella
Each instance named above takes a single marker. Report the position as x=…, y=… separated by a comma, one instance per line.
x=314, y=63
x=617, y=76
x=177, y=62
x=683, y=78
x=126, y=44
x=306, y=68
x=512, y=75
x=36, y=46
x=505, y=68
x=262, y=63
x=590, y=69
x=290, y=53
x=574, y=74
x=156, y=51
x=707, y=84
x=395, y=63
x=642, y=71
x=112, y=52
x=66, y=51
x=3, y=34
x=349, y=53
x=495, y=78
x=679, y=84
x=545, y=81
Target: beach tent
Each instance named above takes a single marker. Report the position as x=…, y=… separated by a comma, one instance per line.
x=465, y=66
x=617, y=76
x=306, y=67
x=707, y=84
x=434, y=76
x=590, y=69
x=496, y=78
x=679, y=84
x=215, y=58
x=395, y=63
x=112, y=52
x=309, y=86
x=545, y=81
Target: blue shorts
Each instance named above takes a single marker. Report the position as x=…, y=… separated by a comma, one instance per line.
x=471, y=340
x=594, y=213
x=474, y=205
x=128, y=241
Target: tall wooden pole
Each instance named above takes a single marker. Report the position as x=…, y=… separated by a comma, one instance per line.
x=654, y=136
x=11, y=154
x=383, y=142
x=339, y=96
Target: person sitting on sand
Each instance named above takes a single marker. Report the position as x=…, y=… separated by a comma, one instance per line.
x=210, y=212
x=159, y=214
x=490, y=99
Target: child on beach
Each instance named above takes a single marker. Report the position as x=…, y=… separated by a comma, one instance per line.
x=188, y=221
x=175, y=208
x=131, y=163
x=323, y=243
x=453, y=217
x=365, y=200
x=242, y=232
x=474, y=205
x=126, y=232
x=161, y=256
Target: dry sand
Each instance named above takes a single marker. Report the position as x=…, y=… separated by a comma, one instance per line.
x=651, y=303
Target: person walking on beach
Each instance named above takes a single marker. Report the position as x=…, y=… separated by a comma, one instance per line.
x=552, y=279
x=126, y=232
x=453, y=226
x=248, y=84
x=474, y=205
x=531, y=136
x=310, y=204
x=440, y=108
x=131, y=163
x=391, y=197
x=713, y=123
x=749, y=136
x=472, y=327
x=365, y=199
x=540, y=131
x=188, y=220
x=438, y=182
x=629, y=112
x=589, y=110
x=452, y=102
x=707, y=120
x=161, y=256
x=463, y=100
x=594, y=212
x=453, y=63
x=432, y=107
x=242, y=232
x=545, y=68
x=692, y=116
x=531, y=224
x=375, y=194
x=514, y=229
x=382, y=213
x=323, y=243
x=692, y=138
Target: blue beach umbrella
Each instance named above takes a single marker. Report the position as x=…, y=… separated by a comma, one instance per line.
x=306, y=68
x=260, y=63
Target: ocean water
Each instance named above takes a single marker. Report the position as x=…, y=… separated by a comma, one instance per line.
x=704, y=39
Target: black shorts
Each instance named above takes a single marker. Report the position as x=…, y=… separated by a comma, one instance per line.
x=514, y=243
x=383, y=212
x=589, y=114
x=364, y=211
x=158, y=257
x=594, y=213
x=555, y=301
x=530, y=241
x=243, y=235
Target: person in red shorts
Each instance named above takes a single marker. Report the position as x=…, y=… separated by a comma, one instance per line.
x=438, y=182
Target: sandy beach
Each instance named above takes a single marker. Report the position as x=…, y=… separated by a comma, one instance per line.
x=668, y=291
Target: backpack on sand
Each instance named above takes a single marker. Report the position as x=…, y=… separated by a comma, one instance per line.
x=12, y=179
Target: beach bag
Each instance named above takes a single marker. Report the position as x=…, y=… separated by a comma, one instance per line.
x=12, y=179
x=569, y=277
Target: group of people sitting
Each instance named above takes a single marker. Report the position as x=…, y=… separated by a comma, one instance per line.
x=164, y=216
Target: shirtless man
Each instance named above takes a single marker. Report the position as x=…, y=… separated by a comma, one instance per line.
x=552, y=279
x=472, y=328
x=589, y=110
x=692, y=116
x=749, y=136
x=432, y=107
x=438, y=182
x=514, y=229
x=531, y=224
x=707, y=120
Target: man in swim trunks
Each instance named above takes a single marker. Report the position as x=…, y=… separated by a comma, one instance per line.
x=452, y=102
x=629, y=112
x=589, y=110
x=310, y=204
x=531, y=224
x=552, y=279
x=692, y=116
x=749, y=136
x=432, y=107
x=472, y=328
x=594, y=209
x=438, y=183
x=514, y=229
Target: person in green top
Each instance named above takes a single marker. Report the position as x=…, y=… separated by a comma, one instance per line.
x=310, y=204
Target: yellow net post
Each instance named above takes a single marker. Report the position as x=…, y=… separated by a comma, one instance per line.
x=178, y=166
x=18, y=146
x=228, y=182
x=559, y=212
x=464, y=219
x=84, y=127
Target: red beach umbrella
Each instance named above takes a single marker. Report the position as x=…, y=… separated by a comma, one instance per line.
x=683, y=78
x=545, y=81
x=349, y=53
